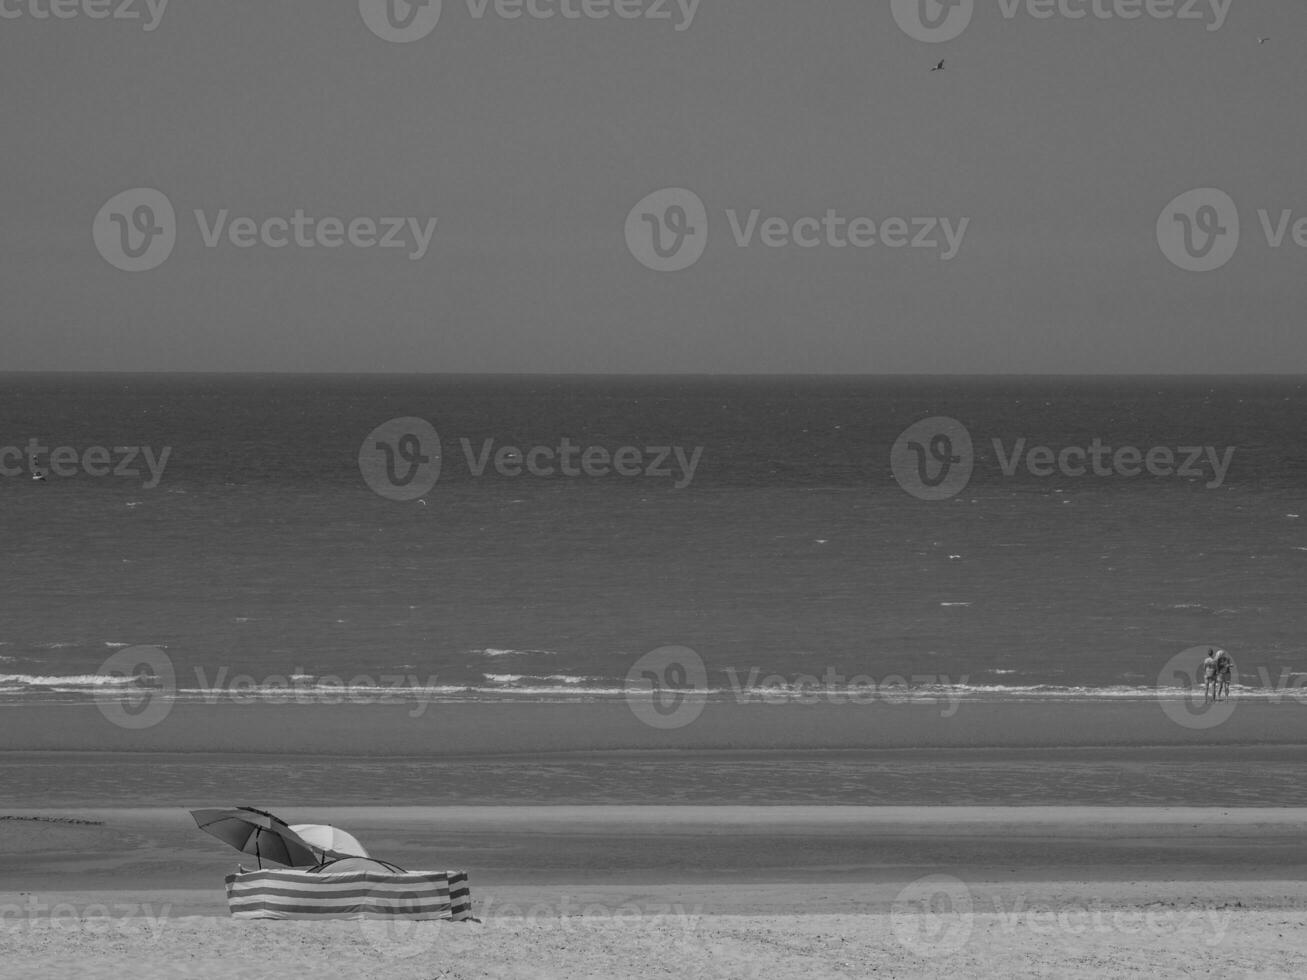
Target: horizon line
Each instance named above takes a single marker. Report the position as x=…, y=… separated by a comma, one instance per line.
x=653, y=374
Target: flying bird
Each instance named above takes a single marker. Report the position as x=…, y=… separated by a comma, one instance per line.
x=940, y=66
x=1262, y=40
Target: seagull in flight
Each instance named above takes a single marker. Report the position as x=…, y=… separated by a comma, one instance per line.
x=940, y=66
x=1262, y=40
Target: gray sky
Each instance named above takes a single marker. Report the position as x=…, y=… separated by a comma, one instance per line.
x=530, y=140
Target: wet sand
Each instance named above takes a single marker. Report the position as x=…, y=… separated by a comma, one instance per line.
x=486, y=728
x=1091, y=776
x=639, y=846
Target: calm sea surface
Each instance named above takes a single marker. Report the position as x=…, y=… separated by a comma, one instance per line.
x=792, y=549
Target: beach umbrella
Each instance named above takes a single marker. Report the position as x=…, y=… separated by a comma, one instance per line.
x=257, y=832
x=332, y=841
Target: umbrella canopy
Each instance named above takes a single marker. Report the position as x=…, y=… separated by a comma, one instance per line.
x=257, y=832
x=331, y=841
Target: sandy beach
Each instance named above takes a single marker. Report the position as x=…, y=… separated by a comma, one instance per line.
x=1257, y=943
x=635, y=891
x=1023, y=839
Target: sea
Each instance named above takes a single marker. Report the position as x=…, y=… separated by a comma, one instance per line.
x=572, y=525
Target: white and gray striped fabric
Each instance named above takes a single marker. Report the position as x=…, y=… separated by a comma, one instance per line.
x=285, y=893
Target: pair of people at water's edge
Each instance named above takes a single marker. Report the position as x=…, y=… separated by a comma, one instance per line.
x=1216, y=675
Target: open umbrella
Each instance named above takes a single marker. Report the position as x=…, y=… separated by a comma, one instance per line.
x=331, y=841
x=257, y=832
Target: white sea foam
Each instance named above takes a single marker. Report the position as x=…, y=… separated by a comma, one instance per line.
x=568, y=687
x=66, y=681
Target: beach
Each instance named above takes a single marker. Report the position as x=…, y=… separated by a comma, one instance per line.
x=786, y=720
x=633, y=891
x=1084, y=838
x=1262, y=944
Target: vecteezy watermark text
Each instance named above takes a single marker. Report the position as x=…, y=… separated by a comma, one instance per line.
x=667, y=231
x=148, y=11
x=396, y=937
x=667, y=688
x=401, y=460
x=136, y=230
x=98, y=461
x=140, y=686
x=934, y=459
x=126, y=920
x=405, y=21
x=934, y=917
x=935, y=21
x=834, y=688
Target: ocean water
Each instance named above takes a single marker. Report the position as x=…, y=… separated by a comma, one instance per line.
x=792, y=551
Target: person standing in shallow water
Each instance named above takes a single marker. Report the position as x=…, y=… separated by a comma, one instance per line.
x=1209, y=677
x=1224, y=668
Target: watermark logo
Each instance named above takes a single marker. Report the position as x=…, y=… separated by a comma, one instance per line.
x=96, y=920
x=667, y=688
x=943, y=20
x=932, y=21
x=1199, y=687
x=1199, y=230
x=400, y=21
x=96, y=461
x=932, y=917
x=400, y=459
x=397, y=937
x=935, y=917
x=397, y=934
x=135, y=231
x=833, y=687
x=149, y=12
x=1201, y=706
x=139, y=688
x=933, y=459
x=668, y=230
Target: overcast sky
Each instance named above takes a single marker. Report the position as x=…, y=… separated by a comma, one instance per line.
x=1060, y=141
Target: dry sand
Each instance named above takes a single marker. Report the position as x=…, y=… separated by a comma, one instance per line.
x=1062, y=931
x=137, y=893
